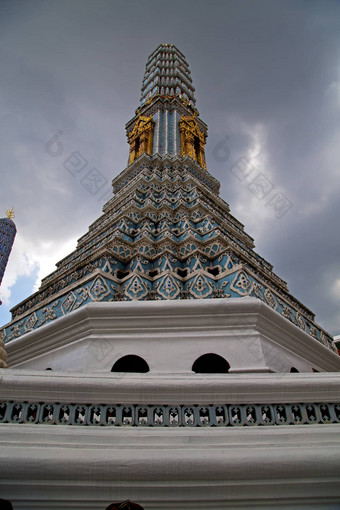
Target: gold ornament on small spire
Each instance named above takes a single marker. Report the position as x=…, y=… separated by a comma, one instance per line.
x=10, y=213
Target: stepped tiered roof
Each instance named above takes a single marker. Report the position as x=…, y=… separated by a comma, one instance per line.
x=166, y=233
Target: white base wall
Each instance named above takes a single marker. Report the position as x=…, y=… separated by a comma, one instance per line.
x=68, y=468
x=84, y=465
x=170, y=336
x=162, y=468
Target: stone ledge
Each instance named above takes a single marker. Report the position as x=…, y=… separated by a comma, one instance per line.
x=170, y=389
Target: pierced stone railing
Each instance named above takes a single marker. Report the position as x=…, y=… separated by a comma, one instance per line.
x=228, y=415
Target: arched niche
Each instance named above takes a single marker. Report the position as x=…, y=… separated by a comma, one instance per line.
x=131, y=363
x=211, y=363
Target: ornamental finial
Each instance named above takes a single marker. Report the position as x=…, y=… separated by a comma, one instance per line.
x=10, y=213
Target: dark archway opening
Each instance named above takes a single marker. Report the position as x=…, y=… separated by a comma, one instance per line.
x=197, y=149
x=137, y=147
x=294, y=370
x=211, y=364
x=131, y=363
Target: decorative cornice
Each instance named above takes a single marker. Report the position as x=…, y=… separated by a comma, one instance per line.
x=234, y=316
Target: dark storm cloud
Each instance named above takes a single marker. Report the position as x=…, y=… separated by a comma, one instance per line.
x=266, y=74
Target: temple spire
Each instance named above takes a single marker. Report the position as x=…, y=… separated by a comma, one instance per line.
x=165, y=234
x=10, y=213
x=167, y=73
x=167, y=122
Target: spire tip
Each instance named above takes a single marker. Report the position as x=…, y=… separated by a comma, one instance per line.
x=10, y=213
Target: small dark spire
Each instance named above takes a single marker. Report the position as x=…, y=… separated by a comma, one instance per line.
x=7, y=235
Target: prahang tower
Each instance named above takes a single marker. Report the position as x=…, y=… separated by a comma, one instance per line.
x=166, y=234
x=173, y=348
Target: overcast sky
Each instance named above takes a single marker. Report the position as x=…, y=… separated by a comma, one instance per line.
x=267, y=79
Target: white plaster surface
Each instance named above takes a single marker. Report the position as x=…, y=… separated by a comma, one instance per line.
x=66, y=467
x=170, y=336
x=70, y=467
x=171, y=389
x=77, y=467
